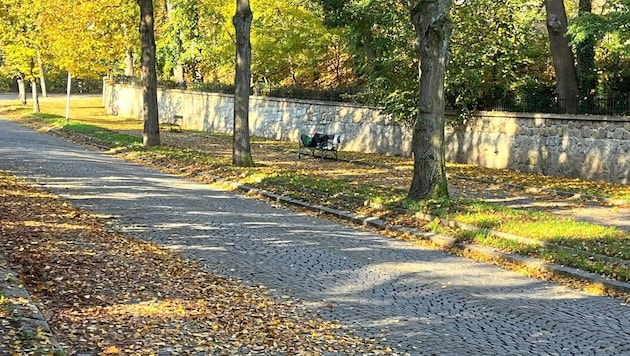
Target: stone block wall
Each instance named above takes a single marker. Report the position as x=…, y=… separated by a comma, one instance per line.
x=362, y=129
x=578, y=146
x=575, y=146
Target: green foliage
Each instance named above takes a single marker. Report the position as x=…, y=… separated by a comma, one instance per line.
x=290, y=45
x=380, y=37
x=609, y=27
x=498, y=50
x=20, y=37
x=189, y=34
x=612, y=23
x=5, y=83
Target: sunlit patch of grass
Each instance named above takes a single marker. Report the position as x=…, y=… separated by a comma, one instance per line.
x=579, y=260
x=606, y=240
x=48, y=117
x=437, y=207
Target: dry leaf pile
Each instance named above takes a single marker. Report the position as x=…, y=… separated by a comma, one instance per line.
x=102, y=292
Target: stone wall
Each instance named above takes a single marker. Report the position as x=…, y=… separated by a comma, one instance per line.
x=362, y=129
x=577, y=146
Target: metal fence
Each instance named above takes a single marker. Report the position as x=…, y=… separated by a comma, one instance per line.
x=619, y=105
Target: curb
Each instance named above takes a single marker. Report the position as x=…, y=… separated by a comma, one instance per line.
x=440, y=240
x=25, y=315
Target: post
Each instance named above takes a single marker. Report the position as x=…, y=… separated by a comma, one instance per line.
x=68, y=89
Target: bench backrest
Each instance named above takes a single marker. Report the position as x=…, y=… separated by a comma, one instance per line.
x=306, y=140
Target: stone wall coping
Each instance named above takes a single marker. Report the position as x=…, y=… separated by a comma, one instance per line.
x=567, y=117
x=267, y=98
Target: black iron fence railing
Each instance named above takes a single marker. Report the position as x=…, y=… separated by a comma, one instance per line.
x=619, y=105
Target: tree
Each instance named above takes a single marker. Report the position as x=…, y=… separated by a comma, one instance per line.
x=241, y=150
x=608, y=26
x=585, y=56
x=563, y=63
x=20, y=39
x=484, y=70
x=290, y=41
x=97, y=31
x=408, y=80
x=151, y=130
x=433, y=30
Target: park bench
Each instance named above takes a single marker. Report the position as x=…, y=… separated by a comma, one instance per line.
x=172, y=122
x=324, y=144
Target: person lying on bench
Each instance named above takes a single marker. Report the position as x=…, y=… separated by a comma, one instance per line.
x=318, y=140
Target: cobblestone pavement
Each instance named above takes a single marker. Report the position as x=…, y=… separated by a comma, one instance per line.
x=418, y=300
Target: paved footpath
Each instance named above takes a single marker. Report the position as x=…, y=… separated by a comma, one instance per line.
x=421, y=301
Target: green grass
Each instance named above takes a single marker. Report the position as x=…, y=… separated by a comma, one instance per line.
x=95, y=131
x=605, y=240
x=105, y=135
x=578, y=260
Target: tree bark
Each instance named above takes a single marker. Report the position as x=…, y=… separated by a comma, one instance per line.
x=562, y=55
x=241, y=150
x=21, y=89
x=151, y=131
x=433, y=30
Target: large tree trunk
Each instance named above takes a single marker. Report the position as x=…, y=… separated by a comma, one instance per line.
x=151, y=131
x=585, y=55
x=433, y=30
x=241, y=150
x=562, y=56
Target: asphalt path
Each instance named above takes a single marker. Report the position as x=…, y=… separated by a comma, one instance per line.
x=417, y=300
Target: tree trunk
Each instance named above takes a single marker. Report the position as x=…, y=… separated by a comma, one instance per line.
x=21, y=89
x=433, y=30
x=42, y=72
x=585, y=55
x=129, y=63
x=151, y=131
x=562, y=55
x=241, y=150
x=35, y=95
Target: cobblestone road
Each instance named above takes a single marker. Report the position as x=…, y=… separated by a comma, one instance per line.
x=419, y=300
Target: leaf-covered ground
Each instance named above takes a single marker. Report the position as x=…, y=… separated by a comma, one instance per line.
x=338, y=184
x=104, y=293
